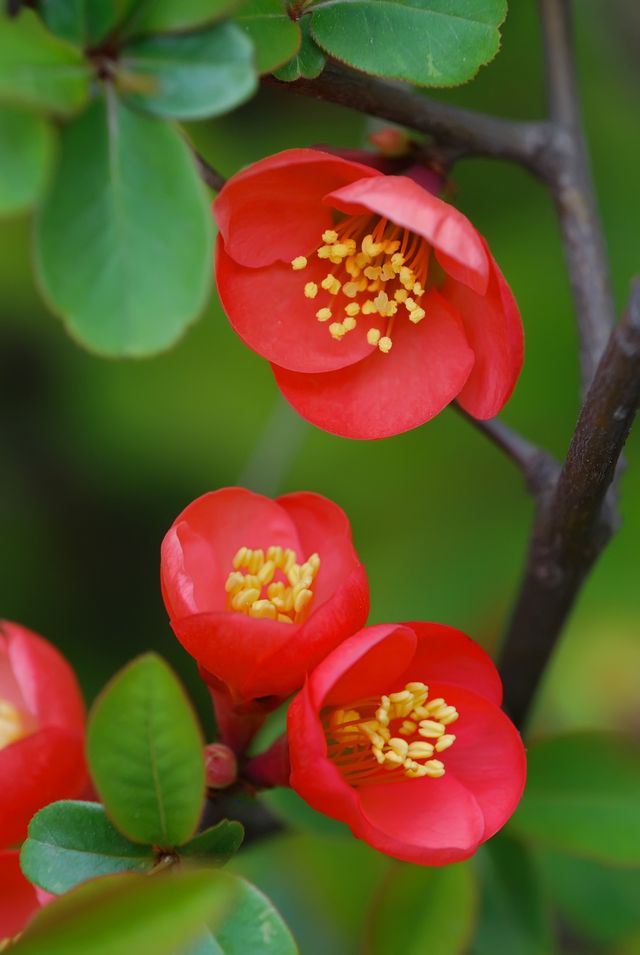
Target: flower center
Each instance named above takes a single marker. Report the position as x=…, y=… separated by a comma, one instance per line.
x=379, y=269
x=272, y=584
x=12, y=725
x=377, y=739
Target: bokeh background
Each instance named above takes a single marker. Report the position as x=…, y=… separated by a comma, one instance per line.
x=98, y=457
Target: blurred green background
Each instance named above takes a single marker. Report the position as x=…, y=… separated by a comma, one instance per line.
x=98, y=457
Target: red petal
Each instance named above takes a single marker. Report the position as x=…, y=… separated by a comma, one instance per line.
x=446, y=655
x=18, y=899
x=268, y=309
x=488, y=756
x=47, y=683
x=458, y=246
x=494, y=329
x=273, y=210
x=383, y=395
x=36, y=770
x=426, y=821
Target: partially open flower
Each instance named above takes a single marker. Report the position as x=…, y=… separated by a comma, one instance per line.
x=41, y=729
x=376, y=302
x=259, y=591
x=399, y=733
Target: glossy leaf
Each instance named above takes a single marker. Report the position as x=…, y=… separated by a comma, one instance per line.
x=582, y=796
x=25, y=158
x=427, y=42
x=71, y=842
x=167, y=16
x=124, y=238
x=253, y=924
x=275, y=36
x=38, y=69
x=205, y=944
x=145, y=754
x=308, y=62
x=215, y=845
x=426, y=898
x=84, y=21
x=513, y=911
x=190, y=77
x=127, y=915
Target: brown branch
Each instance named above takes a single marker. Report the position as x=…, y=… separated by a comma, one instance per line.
x=575, y=521
x=210, y=175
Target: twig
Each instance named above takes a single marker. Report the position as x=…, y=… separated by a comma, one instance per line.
x=574, y=524
x=210, y=175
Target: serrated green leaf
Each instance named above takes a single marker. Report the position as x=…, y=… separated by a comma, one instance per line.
x=145, y=753
x=582, y=796
x=276, y=38
x=426, y=898
x=127, y=915
x=426, y=42
x=253, y=924
x=26, y=154
x=514, y=917
x=124, y=237
x=71, y=842
x=308, y=62
x=192, y=76
x=37, y=69
x=215, y=845
x=167, y=16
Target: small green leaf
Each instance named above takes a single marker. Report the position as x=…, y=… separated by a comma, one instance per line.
x=84, y=21
x=275, y=37
x=25, y=158
x=128, y=915
x=308, y=62
x=253, y=924
x=215, y=845
x=427, y=898
x=192, y=76
x=513, y=913
x=167, y=16
x=124, y=237
x=39, y=70
x=145, y=753
x=70, y=842
x=427, y=42
x=582, y=796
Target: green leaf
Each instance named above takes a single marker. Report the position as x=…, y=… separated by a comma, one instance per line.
x=513, y=914
x=145, y=753
x=427, y=899
x=204, y=945
x=253, y=924
x=190, y=77
x=127, y=915
x=39, y=70
x=582, y=796
x=427, y=42
x=275, y=37
x=84, y=21
x=168, y=16
x=215, y=845
x=599, y=901
x=25, y=158
x=308, y=62
x=124, y=238
x=70, y=842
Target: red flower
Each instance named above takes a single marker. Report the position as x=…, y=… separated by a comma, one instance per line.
x=259, y=591
x=399, y=733
x=18, y=898
x=41, y=729
x=376, y=302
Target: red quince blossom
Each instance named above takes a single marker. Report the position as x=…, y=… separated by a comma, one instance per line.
x=18, y=898
x=376, y=302
x=41, y=730
x=399, y=733
x=260, y=590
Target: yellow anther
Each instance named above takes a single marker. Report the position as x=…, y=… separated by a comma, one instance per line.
x=275, y=590
x=387, y=273
x=420, y=750
x=244, y=599
x=392, y=760
x=298, y=263
x=288, y=560
x=418, y=689
x=311, y=290
x=400, y=295
x=282, y=618
x=373, y=272
x=373, y=286
x=351, y=289
x=239, y=558
x=293, y=574
x=266, y=572
x=397, y=261
x=399, y=746
x=349, y=323
x=407, y=277
x=337, y=330
x=368, y=308
x=373, y=336
x=323, y=314
x=449, y=718
x=275, y=554
x=331, y=284
x=371, y=248
x=418, y=290
x=434, y=768
x=234, y=582
x=408, y=728
x=430, y=729
x=352, y=309
x=351, y=267
x=401, y=697
x=302, y=600
x=382, y=716
x=391, y=247
x=409, y=304
x=329, y=236
x=341, y=250
x=263, y=609
x=417, y=315
x=445, y=742
x=385, y=344
x=381, y=301
x=12, y=726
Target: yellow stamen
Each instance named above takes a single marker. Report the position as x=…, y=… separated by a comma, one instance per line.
x=12, y=726
x=385, y=344
x=352, y=309
x=323, y=314
x=257, y=594
x=300, y=262
x=311, y=290
x=330, y=236
x=373, y=336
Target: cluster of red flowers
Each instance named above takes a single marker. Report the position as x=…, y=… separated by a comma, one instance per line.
x=396, y=729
